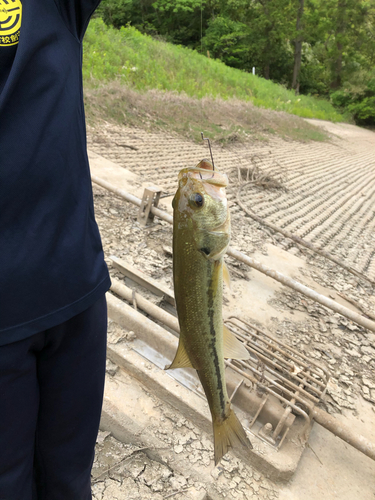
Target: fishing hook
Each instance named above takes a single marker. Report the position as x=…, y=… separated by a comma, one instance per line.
x=209, y=145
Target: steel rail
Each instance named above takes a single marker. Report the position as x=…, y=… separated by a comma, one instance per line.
x=298, y=287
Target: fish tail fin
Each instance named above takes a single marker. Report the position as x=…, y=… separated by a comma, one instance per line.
x=228, y=434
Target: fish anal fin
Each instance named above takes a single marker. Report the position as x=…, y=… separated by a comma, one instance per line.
x=229, y=434
x=233, y=348
x=181, y=359
x=226, y=275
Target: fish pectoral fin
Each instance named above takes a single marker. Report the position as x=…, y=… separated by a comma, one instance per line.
x=233, y=348
x=226, y=275
x=181, y=359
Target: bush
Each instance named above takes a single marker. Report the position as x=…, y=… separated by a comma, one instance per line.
x=358, y=97
x=364, y=111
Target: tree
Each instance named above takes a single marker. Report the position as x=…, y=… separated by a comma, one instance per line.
x=265, y=26
x=298, y=47
x=342, y=22
x=229, y=41
x=177, y=21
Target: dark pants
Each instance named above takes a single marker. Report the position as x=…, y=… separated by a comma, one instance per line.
x=51, y=392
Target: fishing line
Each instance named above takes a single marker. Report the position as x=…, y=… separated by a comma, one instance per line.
x=201, y=26
x=202, y=134
x=209, y=145
x=201, y=78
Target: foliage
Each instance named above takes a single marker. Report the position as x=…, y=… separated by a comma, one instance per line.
x=179, y=22
x=239, y=46
x=337, y=36
x=228, y=41
x=359, y=98
x=142, y=63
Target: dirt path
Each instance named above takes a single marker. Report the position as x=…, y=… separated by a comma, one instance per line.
x=329, y=200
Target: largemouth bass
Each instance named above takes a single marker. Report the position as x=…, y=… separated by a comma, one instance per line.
x=201, y=234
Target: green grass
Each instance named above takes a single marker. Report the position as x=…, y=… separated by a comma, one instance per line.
x=142, y=63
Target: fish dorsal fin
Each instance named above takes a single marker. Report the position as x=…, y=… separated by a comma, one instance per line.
x=233, y=348
x=226, y=275
x=181, y=359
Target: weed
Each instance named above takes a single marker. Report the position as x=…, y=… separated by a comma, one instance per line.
x=225, y=121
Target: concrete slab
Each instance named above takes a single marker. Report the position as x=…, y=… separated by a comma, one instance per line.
x=252, y=298
x=134, y=415
x=132, y=411
x=131, y=427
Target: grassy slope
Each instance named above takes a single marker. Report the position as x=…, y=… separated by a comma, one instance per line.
x=115, y=60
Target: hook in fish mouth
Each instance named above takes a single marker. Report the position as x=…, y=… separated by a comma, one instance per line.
x=206, y=164
x=216, y=178
x=209, y=145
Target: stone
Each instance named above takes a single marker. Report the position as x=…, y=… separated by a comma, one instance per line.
x=369, y=383
x=216, y=472
x=353, y=352
x=370, y=351
x=111, y=368
x=178, y=482
x=102, y=435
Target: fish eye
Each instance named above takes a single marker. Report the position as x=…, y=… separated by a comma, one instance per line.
x=196, y=200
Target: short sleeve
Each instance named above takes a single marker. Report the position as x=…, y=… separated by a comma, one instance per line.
x=76, y=14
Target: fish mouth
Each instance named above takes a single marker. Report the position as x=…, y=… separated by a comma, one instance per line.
x=212, y=177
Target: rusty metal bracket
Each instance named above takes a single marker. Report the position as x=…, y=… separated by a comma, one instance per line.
x=151, y=197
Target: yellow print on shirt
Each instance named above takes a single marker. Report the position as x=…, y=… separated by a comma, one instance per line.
x=10, y=21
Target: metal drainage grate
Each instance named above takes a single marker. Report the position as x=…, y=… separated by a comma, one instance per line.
x=277, y=371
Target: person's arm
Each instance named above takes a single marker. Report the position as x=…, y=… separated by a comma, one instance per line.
x=76, y=14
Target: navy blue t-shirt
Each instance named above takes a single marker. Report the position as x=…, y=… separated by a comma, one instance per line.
x=51, y=258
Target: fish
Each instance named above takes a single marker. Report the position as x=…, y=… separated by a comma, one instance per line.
x=201, y=235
